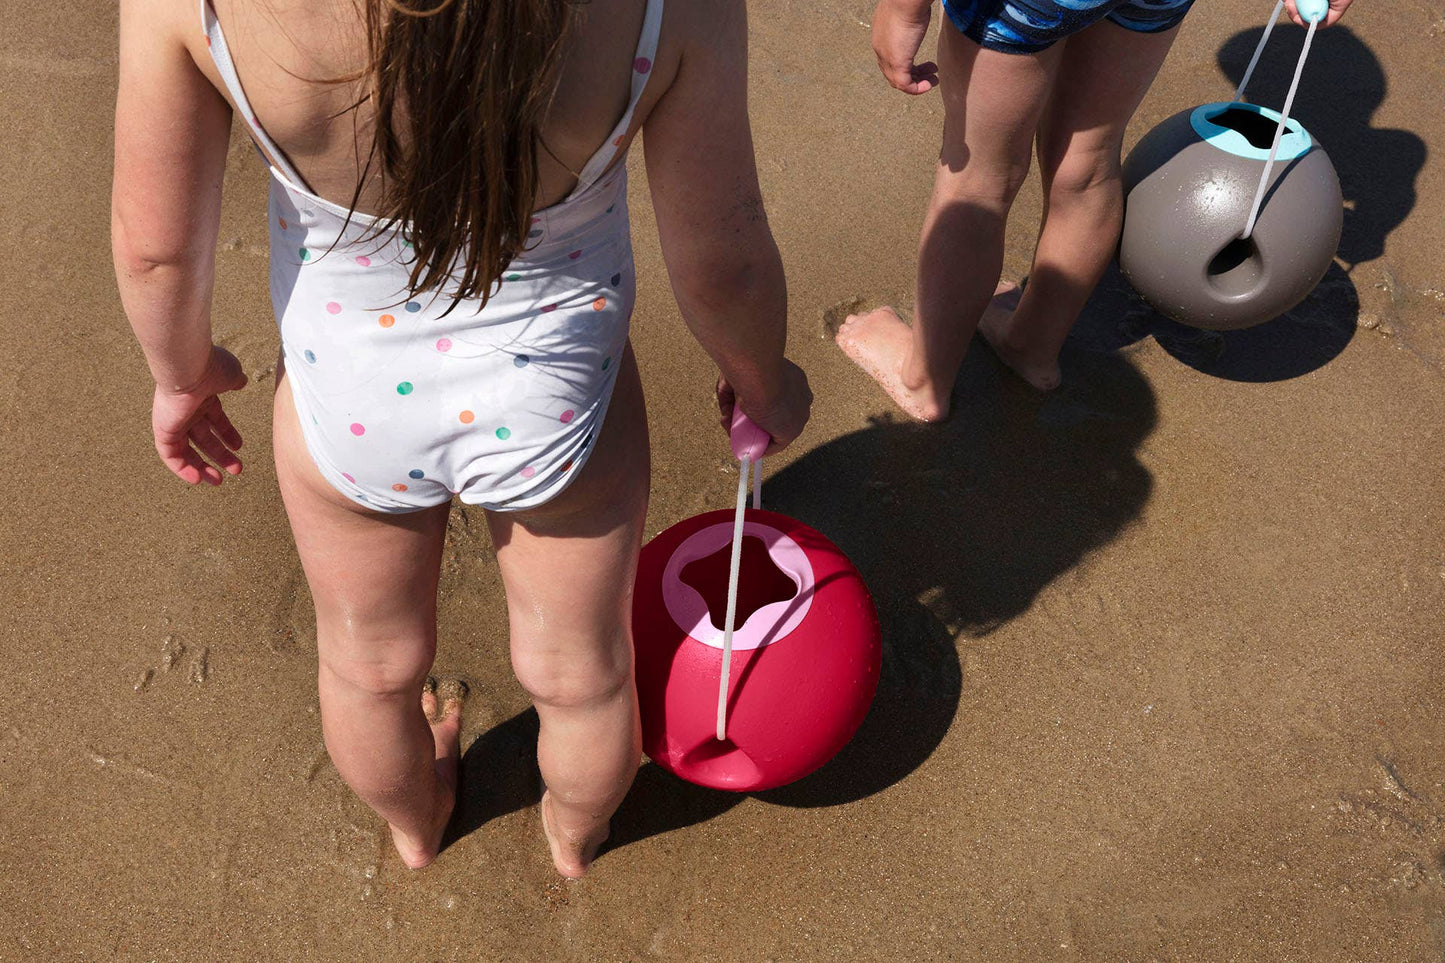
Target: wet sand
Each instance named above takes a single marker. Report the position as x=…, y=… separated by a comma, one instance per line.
x=1163, y=676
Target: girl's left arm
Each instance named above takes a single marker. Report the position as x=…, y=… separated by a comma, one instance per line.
x=171, y=134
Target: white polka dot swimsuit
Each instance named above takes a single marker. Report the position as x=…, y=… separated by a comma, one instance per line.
x=402, y=408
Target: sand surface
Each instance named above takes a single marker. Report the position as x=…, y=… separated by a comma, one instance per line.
x=1164, y=674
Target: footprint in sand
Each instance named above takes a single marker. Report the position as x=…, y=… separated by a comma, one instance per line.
x=194, y=663
x=1406, y=823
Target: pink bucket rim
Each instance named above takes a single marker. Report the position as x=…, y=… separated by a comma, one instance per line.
x=771, y=623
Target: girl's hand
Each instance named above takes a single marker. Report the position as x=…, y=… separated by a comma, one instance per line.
x=190, y=423
x=782, y=416
x=1337, y=10
x=898, y=30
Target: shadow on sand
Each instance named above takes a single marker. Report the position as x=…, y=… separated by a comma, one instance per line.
x=955, y=528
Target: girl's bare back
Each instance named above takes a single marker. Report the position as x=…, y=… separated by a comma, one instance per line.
x=290, y=55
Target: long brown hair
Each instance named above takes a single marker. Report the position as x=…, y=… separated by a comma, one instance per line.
x=460, y=89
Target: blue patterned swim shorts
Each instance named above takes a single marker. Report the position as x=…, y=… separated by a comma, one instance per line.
x=1028, y=26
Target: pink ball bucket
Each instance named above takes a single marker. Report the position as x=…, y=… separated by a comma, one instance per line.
x=806, y=651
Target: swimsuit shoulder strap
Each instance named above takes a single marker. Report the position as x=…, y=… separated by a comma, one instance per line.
x=595, y=167
x=221, y=55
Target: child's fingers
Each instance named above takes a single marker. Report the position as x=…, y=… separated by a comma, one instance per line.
x=895, y=72
x=912, y=79
x=726, y=399
x=187, y=467
x=227, y=431
x=210, y=475
x=926, y=74
x=178, y=458
x=206, y=441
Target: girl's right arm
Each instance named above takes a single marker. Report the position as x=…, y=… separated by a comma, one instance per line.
x=171, y=133
x=725, y=269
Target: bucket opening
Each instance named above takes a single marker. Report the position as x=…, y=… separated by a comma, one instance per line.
x=1237, y=268
x=1253, y=127
x=760, y=581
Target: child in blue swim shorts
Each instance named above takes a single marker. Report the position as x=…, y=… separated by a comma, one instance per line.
x=1029, y=26
x=1059, y=77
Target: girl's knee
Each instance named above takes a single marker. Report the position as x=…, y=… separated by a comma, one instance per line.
x=391, y=667
x=566, y=679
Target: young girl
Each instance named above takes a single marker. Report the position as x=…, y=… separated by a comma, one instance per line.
x=451, y=271
x=1067, y=74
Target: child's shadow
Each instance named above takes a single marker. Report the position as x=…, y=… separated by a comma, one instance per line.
x=1344, y=85
x=498, y=775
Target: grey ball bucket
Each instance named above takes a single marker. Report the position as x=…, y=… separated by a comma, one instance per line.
x=1189, y=185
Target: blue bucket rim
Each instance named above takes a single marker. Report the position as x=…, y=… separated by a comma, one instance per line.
x=1295, y=142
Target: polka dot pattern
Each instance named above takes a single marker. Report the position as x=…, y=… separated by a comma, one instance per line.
x=387, y=384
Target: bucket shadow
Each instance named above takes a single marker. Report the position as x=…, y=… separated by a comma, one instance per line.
x=1303, y=339
x=1377, y=166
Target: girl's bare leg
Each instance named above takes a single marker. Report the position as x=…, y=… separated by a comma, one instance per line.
x=373, y=578
x=992, y=106
x=1104, y=74
x=569, y=568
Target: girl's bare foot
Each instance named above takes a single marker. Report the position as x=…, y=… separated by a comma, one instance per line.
x=878, y=342
x=572, y=855
x=1011, y=345
x=419, y=851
